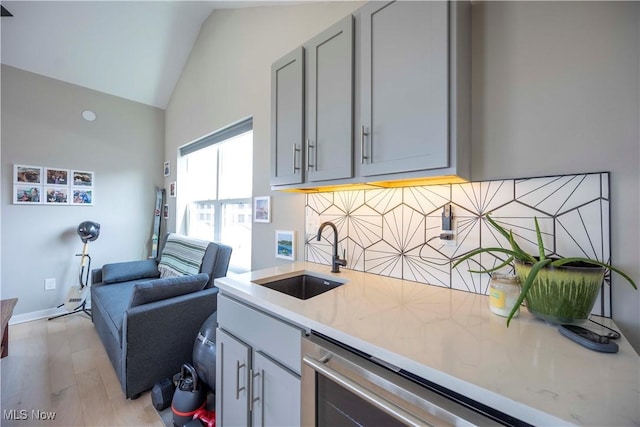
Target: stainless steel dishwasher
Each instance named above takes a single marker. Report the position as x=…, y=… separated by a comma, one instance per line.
x=342, y=387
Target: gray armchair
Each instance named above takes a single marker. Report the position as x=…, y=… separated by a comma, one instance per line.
x=148, y=324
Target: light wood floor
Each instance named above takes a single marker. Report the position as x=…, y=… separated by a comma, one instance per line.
x=61, y=366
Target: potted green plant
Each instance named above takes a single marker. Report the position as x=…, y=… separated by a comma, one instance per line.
x=558, y=290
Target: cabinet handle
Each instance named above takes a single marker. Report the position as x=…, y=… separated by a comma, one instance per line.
x=309, y=147
x=252, y=387
x=295, y=150
x=262, y=396
x=238, y=388
x=362, y=135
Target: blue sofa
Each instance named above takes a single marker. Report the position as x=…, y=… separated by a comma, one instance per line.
x=148, y=324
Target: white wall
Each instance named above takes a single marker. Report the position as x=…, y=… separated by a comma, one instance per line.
x=42, y=126
x=228, y=78
x=556, y=90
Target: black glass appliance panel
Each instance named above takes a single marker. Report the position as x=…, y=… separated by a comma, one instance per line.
x=338, y=407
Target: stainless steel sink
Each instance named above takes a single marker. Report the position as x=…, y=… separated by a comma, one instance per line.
x=303, y=286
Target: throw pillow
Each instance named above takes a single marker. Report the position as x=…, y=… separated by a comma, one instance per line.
x=132, y=270
x=160, y=289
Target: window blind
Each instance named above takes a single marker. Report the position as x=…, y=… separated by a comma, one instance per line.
x=230, y=131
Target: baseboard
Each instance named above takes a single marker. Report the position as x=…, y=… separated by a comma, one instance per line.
x=35, y=315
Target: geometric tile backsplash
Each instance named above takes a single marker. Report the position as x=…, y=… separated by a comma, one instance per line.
x=395, y=232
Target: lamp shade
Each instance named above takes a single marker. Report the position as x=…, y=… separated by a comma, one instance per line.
x=88, y=231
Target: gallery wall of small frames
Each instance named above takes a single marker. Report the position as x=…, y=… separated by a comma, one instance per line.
x=37, y=185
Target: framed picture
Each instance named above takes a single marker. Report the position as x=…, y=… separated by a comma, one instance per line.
x=82, y=178
x=55, y=176
x=285, y=245
x=172, y=189
x=56, y=195
x=82, y=196
x=165, y=211
x=167, y=168
x=24, y=194
x=27, y=174
x=262, y=209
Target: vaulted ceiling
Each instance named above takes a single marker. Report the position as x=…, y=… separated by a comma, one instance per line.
x=131, y=49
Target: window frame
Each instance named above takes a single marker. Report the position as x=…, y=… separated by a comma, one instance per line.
x=217, y=137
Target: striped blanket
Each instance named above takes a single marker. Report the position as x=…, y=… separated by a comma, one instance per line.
x=181, y=256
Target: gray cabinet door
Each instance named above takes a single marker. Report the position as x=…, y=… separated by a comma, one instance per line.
x=404, y=87
x=329, y=90
x=276, y=394
x=232, y=380
x=287, y=119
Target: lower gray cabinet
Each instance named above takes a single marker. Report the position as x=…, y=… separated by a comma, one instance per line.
x=232, y=380
x=257, y=383
x=276, y=395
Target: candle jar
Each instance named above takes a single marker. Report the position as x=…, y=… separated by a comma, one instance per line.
x=504, y=290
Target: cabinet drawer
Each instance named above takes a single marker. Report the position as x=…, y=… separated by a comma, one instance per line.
x=265, y=333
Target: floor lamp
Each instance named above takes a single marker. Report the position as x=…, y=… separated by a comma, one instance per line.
x=77, y=297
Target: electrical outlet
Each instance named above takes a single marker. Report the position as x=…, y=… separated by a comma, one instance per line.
x=448, y=237
x=49, y=284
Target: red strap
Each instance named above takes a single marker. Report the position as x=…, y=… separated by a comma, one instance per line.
x=187, y=414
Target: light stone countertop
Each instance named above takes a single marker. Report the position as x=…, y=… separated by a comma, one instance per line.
x=450, y=337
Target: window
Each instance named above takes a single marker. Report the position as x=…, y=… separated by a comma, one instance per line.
x=214, y=190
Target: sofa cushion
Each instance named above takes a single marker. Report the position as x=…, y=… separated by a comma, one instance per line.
x=112, y=301
x=133, y=270
x=160, y=289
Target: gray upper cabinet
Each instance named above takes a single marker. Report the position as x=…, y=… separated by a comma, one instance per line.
x=404, y=87
x=386, y=102
x=329, y=113
x=287, y=119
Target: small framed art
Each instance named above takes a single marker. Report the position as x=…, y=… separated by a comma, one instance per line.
x=285, y=245
x=27, y=175
x=262, y=209
x=56, y=195
x=82, y=178
x=82, y=196
x=56, y=176
x=24, y=194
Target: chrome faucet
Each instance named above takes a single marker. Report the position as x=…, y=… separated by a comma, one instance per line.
x=336, y=262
